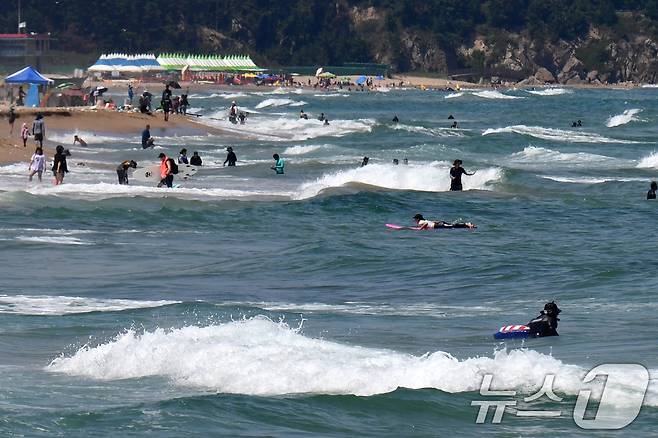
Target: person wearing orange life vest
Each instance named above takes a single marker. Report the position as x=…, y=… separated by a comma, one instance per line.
x=165, y=171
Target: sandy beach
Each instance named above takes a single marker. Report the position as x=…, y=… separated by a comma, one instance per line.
x=82, y=119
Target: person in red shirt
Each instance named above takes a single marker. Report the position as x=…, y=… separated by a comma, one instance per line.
x=165, y=171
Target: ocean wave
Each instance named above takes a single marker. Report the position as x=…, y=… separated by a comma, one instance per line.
x=539, y=155
x=433, y=132
x=361, y=308
x=649, y=162
x=453, y=95
x=289, y=128
x=63, y=305
x=552, y=134
x=550, y=92
x=257, y=356
x=492, y=94
x=301, y=150
x=331, y=95
x=433, y=177
x=54, y=240
x=279, y=102
x=589, y=179
x=627, y=116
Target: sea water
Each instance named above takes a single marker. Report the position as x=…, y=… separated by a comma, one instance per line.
x=246, y=303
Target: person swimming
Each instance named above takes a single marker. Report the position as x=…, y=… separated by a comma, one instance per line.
x=651, y=194
x=454, y=125
x=395, y=119
x=546, y=323
x=425, y=224
x=365, y=161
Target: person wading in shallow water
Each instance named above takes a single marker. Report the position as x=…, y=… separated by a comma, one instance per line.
x=456, y=172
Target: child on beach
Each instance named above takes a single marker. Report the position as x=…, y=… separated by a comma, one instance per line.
x=37, y=163
x=25, y=133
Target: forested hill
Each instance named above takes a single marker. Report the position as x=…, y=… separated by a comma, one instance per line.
x=505, y=37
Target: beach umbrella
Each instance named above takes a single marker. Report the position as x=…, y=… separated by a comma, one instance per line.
x=318, y=71
x=361, y=80
x=326, y=75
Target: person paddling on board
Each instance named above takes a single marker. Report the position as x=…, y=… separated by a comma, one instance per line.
x=546, y=323
x=425, y=224
x=456, y=172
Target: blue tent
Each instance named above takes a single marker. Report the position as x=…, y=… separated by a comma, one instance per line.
x=28, y=76
x=361, y=80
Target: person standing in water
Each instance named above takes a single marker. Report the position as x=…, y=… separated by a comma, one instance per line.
x=651, y=194
x=456, y=172
x=196, y=159
x=60, y=167
x=122, y=171
x=182, y=157
x=231, y=158
x=278, y=164
x=37, y=164
x=166, y=171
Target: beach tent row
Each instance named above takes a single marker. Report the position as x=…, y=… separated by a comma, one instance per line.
x=123, y=63
x=179, y=62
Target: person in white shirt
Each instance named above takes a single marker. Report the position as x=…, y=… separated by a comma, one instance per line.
x=37, y=164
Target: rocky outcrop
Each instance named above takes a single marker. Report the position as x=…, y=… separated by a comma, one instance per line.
x=594, y=59
x=544, y=76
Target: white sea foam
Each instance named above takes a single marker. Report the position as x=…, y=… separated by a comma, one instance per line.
x=493, y=94
x=63, y=305
x=555, y=134
x=361, y=308
x=433, y=177
x=541, y=156
x=331, y=95
x=102, y=190
x=301, y=150
x=433, y=132
x=287, y=128
x=54, y=240
x=453, y=95
x=649, y=162
x=589, y=179
x=627, y=116
x=279, y=102
x=550, y=92
x=259, y=357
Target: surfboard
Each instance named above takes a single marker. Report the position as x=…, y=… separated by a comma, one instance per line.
x=518, y=331
x=151, y=174
x=400, y=227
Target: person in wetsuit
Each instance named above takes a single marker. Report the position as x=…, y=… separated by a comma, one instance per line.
x=427, y=224
x=231, y=158
x=651, y=194
x=122, y=171
x=546, y=323
x=456, y=172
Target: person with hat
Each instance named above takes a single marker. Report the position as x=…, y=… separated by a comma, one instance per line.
x=456, y=172
x=425, y=224
x=231, y=158
x=546, y=323
x=166, y=172
x=122, y=171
